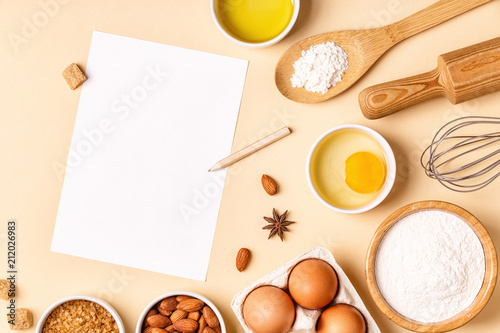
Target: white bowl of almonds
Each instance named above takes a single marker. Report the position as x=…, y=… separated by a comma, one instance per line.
x=181, y=311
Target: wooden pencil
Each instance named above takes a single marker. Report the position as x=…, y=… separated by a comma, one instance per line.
x=235, y=157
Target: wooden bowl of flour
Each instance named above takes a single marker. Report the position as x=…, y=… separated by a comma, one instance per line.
x=419, y=254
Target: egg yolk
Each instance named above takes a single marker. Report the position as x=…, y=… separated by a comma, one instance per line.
x=364, y=172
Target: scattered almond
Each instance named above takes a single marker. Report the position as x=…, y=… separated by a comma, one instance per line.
x=242, y=259
x=210, y=317
x=186, y=325
x=269, y=185
x=191, y=305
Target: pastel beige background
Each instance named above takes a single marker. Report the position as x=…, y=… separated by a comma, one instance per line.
x=38, y=110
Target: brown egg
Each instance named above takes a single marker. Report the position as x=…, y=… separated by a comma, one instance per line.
x=313, y=283
x=341, y=318
x=269, y=309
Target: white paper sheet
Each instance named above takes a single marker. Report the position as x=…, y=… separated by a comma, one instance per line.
x=152, y=120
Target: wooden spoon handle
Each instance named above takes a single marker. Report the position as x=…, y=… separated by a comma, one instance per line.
x=433, y=15
x=386, y=98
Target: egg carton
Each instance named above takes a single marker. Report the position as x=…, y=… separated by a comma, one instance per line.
x=305, y=319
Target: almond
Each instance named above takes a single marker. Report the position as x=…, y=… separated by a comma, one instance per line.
x=202, y=324
x=170, y=329
x=148, y=329
x=269, y=185
x=209, y=330
x=191, y=305
x=181, y=298
x=154, y=330
x=168, y=304
x=158, y=320
x=177, y=315
x=194, y=315
x=218, y=329
x=186, y=325
x=210, y=317
x=167, y=313
x=242, y=259
x=150, y=313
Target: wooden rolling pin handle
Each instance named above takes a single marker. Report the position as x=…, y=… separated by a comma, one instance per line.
x=386, y=98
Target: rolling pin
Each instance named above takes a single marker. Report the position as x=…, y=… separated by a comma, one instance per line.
x=460, y=75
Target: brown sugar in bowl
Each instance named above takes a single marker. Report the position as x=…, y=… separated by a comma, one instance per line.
x=79, y=305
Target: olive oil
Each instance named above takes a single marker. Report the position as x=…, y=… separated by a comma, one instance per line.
x=254, y=21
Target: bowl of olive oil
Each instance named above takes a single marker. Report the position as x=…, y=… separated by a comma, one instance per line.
x=255, y=23
x=351, y=168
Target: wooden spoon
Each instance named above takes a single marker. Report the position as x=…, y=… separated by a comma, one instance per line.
x=364, y=47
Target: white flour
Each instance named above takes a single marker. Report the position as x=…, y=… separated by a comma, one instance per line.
x=320, y=67
x=430, y=266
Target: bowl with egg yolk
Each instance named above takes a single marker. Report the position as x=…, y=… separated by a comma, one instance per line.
x=351, y=168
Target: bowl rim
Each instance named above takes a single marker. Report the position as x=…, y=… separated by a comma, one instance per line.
x=295, y=14
x=390, y=176
x=138, y=328
x=104, y=304
x=485, y=292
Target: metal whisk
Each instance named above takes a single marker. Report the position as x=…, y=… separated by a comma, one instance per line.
x=464, y=153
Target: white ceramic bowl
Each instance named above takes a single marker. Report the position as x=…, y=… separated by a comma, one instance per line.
x=138, y=328
x=390, y=172
x=295, y=14
x=45, y=315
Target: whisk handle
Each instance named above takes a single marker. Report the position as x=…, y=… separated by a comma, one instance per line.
x=386, y=98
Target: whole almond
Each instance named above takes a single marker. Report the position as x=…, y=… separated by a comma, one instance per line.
x=158, y=320
x=218, y=329
x=148, y=329
x=208, y=329
x=178, y=314
x=186, y=325
x=181, y=298
x=170, y=329
x=194, y=315
x=150, y=313
x=191, y=305
x=269, y=185
x=168, y=304
x=202, y=324
x=210, y=317
x=154, y=330
x=167, y=313
x=242, y=259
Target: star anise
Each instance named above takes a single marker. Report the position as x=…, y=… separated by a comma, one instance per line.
x=277, y=224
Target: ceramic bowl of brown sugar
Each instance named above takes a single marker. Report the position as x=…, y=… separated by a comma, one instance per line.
x=80, y=314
